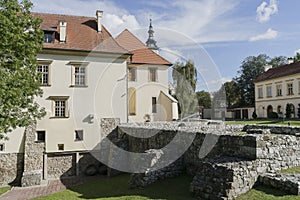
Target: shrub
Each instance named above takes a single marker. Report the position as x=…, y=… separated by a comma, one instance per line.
x=254, y=115
x=272, y=115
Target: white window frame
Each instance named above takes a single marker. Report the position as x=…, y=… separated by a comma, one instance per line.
x=80, y=65
x=279, y=90
x=260, y=92
x=45, y=63
x=290, y=88
x=57, y=105
x=269, y=91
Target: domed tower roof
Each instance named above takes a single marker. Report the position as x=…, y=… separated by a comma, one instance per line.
x=151, y=43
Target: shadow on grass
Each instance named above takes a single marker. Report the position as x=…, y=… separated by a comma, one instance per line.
x=271, y=191
x=116, y=188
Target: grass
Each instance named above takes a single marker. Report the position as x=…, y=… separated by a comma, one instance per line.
x=291, y=170
x=275, y=122
x=266, y=193
x=116, y=188
x=4, y=189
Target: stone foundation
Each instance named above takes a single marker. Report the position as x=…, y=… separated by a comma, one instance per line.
x=232, y=163
x=11, y=168
x=289, y=183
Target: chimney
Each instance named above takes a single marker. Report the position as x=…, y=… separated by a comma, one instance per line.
x=99, y=14
x=62, y=31
x=267, y=67
x=290, y=60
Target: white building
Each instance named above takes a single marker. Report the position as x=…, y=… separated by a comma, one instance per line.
x=148, y=90
x=83, y=79
x=276, y=88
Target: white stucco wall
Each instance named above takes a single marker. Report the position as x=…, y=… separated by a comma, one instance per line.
x=262, y=104
x=104, y=97
x=145, y=90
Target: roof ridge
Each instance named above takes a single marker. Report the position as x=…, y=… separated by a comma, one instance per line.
x=57, y=14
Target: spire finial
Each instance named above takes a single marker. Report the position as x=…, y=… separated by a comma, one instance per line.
x=151, y=43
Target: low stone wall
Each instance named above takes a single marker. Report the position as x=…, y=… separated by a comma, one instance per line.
x=11, y=168
x=276, y=129
x=233, y=161
x=61, y=165
x=145, y=179
x=290, y=183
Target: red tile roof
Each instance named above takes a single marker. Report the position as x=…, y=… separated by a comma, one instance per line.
x=281, y=71
x=81, y=34
x=141, y=53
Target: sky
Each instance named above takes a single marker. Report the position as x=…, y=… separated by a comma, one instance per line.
x=216, y=34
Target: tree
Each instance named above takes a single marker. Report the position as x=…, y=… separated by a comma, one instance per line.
x=185, y=80
x=288, y=111
x=21, y=39
x=278, y=61
x=297, y=57
x=204, y=99
x=250, y=69
x=298, y=113
x=232, y=93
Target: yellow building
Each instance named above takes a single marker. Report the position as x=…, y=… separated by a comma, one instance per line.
x=276, y=88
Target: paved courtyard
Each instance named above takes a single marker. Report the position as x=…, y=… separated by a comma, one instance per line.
x=25, y=193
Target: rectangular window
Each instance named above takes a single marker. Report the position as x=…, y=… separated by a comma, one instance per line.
x=132, y=74
x=60, y=108
x=78, y=135
x=2, y=147
x=44, y=71
x=61, y=147
x=48, y=37
x=260, y=93
x=79, y=76
x=290, y=89
x=269, y=91
x=154, y=106
x=153, y=74
x=279, y=90
x=41, y=136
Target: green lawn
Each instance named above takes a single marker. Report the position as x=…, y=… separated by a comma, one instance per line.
x=266, y=193
x=116, y=188
x=275, y=122
x=4, y=189
x=291, y=170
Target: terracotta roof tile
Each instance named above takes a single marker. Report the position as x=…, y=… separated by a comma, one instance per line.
x=141, y=53
x=81, y=34
x=281, y=71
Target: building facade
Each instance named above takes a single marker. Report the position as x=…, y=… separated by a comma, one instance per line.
x=276, y=89
x=148, y=87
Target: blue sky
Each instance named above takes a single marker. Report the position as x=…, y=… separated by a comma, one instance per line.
x=228, y=30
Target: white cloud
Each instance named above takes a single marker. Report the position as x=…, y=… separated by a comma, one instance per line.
x=264, y=11
x=115, y=18
x=270, y=34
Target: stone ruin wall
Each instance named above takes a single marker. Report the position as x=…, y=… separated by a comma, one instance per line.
x=231, y=168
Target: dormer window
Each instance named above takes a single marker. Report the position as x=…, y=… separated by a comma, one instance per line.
x=48, y=37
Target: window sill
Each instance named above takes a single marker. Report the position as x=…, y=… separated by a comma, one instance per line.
x=269, y=96
x=78, y=86
x=78, y=140
x=45, y=85
x=59, y=117
x=260, y=97
x=289, y=94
